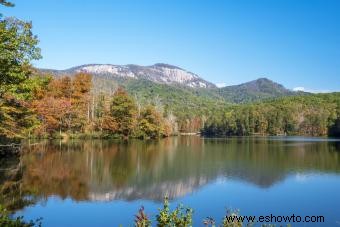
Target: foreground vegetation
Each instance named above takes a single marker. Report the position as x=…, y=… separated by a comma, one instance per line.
x=8, y=221
x=180, y=216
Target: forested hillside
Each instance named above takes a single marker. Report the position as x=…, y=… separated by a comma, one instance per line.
x=191, y=105
x=173, y=79
x=256, y=90
x=312, y=115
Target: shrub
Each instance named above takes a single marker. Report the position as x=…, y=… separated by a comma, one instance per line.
x=6, y=220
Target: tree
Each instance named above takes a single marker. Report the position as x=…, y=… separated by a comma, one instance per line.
x=81, y=87
x=151, y=123
x=15, y=118
x=171, y=124
x=123, y=111
x=313, y=115
x=52, y=113
x=17, y=49
x=64, y=104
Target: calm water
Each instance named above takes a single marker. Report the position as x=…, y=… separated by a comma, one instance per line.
x=104, y=183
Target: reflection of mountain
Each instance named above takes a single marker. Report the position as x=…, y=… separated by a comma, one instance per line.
x=155, y=191
x=104, y=170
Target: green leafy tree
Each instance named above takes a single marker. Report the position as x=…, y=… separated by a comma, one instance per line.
x=123, y=111
x=151, y=123
x=17, y=50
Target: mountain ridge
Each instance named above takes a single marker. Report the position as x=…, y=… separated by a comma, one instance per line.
x=156, y=77
x=158, y=73
x=261, y=88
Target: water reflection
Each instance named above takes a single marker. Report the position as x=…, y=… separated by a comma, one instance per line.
x=12, y=195
x=107, y=170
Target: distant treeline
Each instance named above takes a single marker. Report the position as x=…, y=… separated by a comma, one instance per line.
x=311, y=115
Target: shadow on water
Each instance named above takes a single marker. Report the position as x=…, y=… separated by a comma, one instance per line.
x=97, y=170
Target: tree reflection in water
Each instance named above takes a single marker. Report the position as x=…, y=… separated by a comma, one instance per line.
x=108, y=170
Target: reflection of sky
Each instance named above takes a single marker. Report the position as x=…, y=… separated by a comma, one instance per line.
x=319, y=195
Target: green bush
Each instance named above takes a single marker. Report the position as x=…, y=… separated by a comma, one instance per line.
x=8, y=221
x=179, y=217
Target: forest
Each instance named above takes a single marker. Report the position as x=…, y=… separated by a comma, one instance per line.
x=308, y=115
x=46, y=107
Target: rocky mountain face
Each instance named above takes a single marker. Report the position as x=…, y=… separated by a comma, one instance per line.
x=174, y=84
x=158, y=73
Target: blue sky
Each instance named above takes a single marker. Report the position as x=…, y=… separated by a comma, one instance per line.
x=296, y=43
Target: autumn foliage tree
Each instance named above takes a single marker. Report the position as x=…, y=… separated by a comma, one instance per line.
x=80, y=100
x=123, y=112
x=124, y=117
x=17, y=49
x=152, y=124
x=64, y=105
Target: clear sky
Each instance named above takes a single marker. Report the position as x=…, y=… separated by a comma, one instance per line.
x=293, y=42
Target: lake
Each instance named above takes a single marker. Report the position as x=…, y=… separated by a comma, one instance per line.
x=104, y=183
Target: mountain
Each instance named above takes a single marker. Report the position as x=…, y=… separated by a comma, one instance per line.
x=183, y=93
x=255, y=90
x=179, y=90
x=158, y=73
